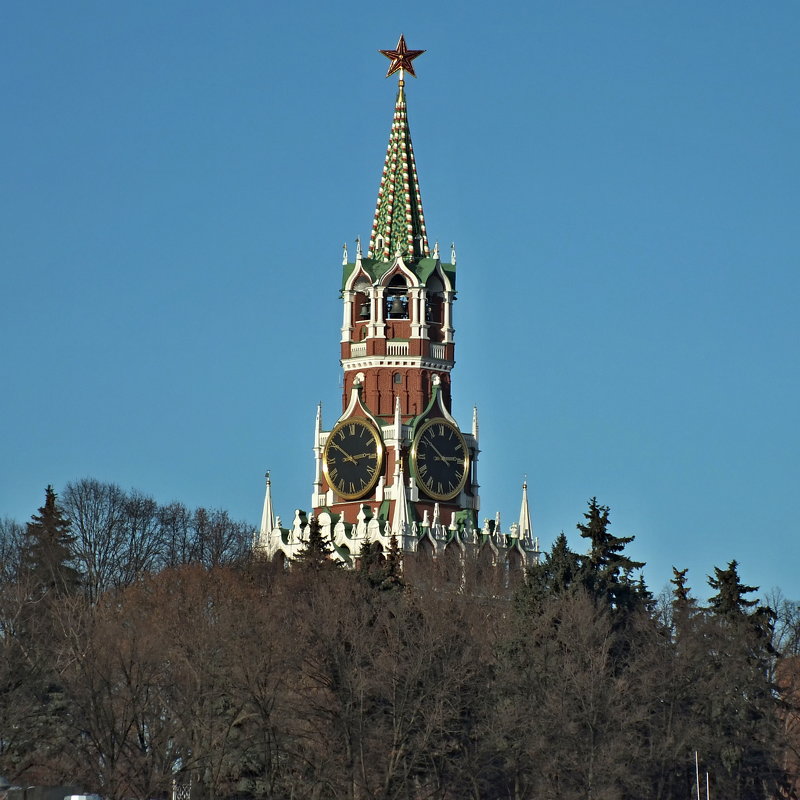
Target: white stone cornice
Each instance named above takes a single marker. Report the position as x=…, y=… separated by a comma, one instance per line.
x=420, y=362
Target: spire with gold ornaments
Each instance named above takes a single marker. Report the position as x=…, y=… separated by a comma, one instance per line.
x=399, y=224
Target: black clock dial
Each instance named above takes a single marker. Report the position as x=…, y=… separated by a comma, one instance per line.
x=440, y=459
x=353, y=458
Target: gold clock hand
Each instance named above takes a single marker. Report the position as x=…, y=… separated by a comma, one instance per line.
x=347, y=455
x=438, y=453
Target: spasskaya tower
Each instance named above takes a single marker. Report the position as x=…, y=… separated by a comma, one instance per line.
x=395, y=462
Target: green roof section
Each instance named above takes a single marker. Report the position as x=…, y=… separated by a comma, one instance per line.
x=399, y=224
x=423, y=268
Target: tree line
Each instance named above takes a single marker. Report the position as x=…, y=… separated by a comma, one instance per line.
x=143, y=647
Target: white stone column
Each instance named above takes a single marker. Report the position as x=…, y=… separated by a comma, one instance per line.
x=447, y=323
x=347, y=319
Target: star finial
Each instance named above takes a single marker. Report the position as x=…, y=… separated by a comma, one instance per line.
x=401, y=58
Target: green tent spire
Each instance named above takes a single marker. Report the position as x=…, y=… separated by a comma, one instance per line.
x=399, y=224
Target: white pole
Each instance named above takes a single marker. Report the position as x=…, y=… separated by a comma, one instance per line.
x=708, y=794
x=697, y=773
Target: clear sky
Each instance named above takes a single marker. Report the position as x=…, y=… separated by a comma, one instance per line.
x=621, y=182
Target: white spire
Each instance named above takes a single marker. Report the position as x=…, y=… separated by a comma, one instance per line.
x=344, y=254
x=453, y=253
x=318, y=424
x=525, y=527
x=400, y=518
x=475, y=423
x=358, y=248
x=267, y=516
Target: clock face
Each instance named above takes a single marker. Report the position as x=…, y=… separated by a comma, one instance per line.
x=440, y=458
x=353, y=458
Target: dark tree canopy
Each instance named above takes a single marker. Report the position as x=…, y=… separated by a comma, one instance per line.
x=241, y=679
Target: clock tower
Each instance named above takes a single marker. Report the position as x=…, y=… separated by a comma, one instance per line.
x=395, y=462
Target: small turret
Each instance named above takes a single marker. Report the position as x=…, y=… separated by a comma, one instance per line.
x=525, y=527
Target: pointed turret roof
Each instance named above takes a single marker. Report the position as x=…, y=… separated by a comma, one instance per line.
x=525, y=527
x=401, y=519
x=399, y=224
x=267, y=515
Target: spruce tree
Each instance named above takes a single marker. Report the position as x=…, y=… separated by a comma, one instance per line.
x=555, y=574
x=684, y=606
x=393, y=568
x=742, y=706
x=47, y=560
x=317, y=555
x=730, y=601
x=606, y=570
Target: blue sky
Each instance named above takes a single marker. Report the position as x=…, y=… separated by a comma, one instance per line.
x=621, y=182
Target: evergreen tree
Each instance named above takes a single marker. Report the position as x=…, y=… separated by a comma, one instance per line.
x=606, y=571
x=384, y=573
x=317, y=555
x=743, y=715
x=47, y=553
x=555, y=574
x=730, y=598
x=369, y=559
x=684, y=606
x=393, y=568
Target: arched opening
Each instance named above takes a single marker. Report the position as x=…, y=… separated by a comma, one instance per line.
x=396, y=298
x=434, y=300
x=362, y=302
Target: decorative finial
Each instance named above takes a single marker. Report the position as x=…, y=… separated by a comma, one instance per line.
x=453, y=253
x=401, y=58
x=436, y=250
x=358, y=248
x=266, y=475
x=344, y=254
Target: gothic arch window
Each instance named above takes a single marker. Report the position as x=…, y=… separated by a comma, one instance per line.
x=397, y=378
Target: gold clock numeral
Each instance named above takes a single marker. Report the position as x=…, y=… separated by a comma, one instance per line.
x=351, y=429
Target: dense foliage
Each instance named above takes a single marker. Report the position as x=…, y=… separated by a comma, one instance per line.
x=179, y=656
